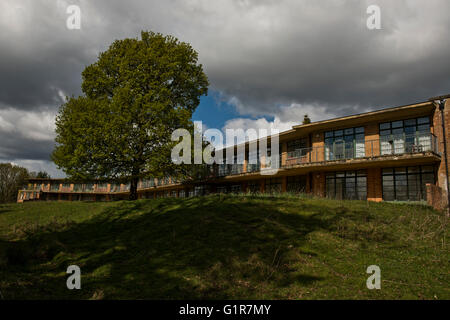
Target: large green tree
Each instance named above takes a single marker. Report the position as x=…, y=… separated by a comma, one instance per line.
x=135, y=95
x=12, y=178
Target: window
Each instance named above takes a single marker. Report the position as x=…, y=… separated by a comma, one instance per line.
x=115, y=187
x=221, y=189
x=236, y=188
x=273, y=185
x=254, y=162
x=347, y=185
x=254, y=187
x=54, y=187
x=102, y=186
x=407, y=183
x=297, y=148
x=200, y=190
x=182, y=194
x=148, y=183
x=296, y=184
x=404, y=136
x=345, y=144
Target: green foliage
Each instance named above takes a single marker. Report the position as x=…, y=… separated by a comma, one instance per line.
x=135, y=96
x=40, y=174
x=224, y=247
x=12, y=178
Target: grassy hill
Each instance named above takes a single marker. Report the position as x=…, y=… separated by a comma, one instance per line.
x=231, y=247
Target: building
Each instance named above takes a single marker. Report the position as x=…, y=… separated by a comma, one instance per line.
x=394, y=154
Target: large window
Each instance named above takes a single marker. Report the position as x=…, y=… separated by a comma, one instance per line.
x=148, y=183
x=404, y=136
x=273, y=185
x=254, y=187
x=297, y=148
x=407, y=183
x=253, y=161
x=296, y=184
x=236, y=188
x=345, y=144
x=347, y=185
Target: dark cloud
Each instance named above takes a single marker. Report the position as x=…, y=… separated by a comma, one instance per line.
x=262, y=56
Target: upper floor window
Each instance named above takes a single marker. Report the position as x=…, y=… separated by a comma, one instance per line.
x=403, y=136
x=345, y=144
x=297, y=148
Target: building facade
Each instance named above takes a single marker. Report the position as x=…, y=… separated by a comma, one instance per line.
x=394, y=154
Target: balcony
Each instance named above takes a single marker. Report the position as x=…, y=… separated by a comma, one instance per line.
x=385, y=146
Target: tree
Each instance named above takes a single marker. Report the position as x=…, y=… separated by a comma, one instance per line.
x=43, y=175
x=135, y=95
x=12, y=178
x=40, y=174
x=306, y=119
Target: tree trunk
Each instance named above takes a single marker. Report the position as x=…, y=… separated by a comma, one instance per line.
x=133, y=188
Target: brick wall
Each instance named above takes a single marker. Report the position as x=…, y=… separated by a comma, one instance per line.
x=318, y=184
x=436, y=197
x=374, y=185
x=437, y=130
x=372, y=137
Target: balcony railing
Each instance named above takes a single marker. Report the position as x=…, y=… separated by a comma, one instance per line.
x=385, y=146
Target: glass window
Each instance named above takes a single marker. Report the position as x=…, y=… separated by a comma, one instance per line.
x=423, y=120
x=296, y=184
x=414, y=136
x=397, y=124
x=407, y=183
x=345, y=144
x=347, y=185
x=348, y=131
x=410, y=122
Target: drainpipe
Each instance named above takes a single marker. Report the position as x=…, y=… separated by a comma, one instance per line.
x=441, y=108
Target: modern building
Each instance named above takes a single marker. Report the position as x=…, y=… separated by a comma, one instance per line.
x=394, y=154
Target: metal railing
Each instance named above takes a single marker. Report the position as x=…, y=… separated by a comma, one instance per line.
x=385, y=146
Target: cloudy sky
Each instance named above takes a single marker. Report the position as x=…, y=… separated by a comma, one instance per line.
x=269, y=62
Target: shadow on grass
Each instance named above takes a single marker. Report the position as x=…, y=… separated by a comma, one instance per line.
x=214, y=247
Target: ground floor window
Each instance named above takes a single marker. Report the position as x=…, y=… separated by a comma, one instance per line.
x=201, y=190
x=296, y=184
x=347, y=185
x=273, y=185
x=236, y=188
x=254, y=187
x=407, y=183
x=221, y=189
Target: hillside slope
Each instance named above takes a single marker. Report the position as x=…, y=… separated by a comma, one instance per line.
x=231, y=247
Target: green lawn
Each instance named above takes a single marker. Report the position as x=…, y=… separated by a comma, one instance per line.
x=224, y=247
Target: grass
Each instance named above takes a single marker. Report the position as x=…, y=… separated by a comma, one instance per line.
x=223, y=247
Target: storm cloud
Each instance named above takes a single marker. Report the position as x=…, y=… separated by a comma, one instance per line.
x=265, y=58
